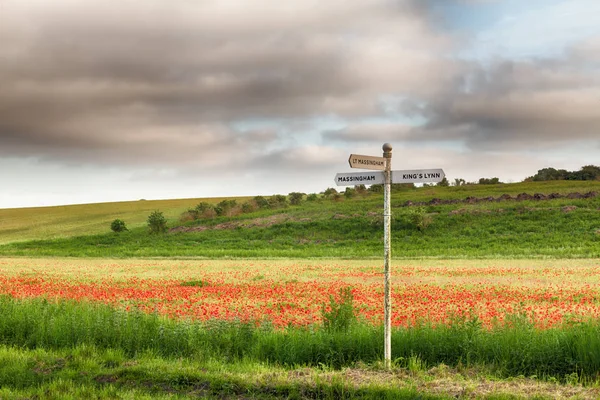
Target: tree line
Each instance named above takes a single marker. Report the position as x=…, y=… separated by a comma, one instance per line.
x=586, y=173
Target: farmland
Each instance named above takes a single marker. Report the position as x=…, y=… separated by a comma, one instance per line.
x=290, y=292
x=497, y=297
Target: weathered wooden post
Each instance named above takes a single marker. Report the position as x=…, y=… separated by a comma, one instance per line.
x=387, y=255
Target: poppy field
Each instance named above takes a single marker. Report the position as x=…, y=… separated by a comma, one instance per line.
x=285, y=293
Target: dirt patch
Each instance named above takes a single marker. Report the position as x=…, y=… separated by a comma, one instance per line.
x=504, y=197
x=340, y=216
x=567, y=209
x=105, y=379
x=264, y=222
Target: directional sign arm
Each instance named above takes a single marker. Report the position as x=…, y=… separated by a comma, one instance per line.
x=418, y=176
x=366, y=162
x=359, y=178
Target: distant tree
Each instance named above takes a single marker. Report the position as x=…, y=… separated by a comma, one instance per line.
x=157, y=222
x=459, y=182
x=118, y=225
x=360, y=190
x=586, y=173
x=349, y=192
x=329, y=192
x=295, y=198
x=336, y=196
x=589, y=173
x=443, y=182
x=489, y=181
x=376, y=188
x=549, y=174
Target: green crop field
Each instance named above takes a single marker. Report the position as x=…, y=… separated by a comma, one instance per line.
x=495, y=296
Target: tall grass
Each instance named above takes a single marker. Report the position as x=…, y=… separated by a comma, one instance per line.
x=513, y=349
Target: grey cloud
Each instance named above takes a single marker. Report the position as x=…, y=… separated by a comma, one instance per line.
x=370, y=132
x=519, y=105
x=126, y=81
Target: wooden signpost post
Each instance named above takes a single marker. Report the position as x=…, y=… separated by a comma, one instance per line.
x=384, y=175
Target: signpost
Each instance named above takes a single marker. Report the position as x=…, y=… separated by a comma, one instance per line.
x=384, y=175
x=359, y=178
x=366, y=162
x=418, y=176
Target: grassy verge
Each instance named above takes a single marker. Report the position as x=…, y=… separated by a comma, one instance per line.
x=569, y=353
x=88, y=372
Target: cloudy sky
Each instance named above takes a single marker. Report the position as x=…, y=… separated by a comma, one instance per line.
x=129, y=99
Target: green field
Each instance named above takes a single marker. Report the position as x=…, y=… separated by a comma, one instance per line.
x=56, y=346
x=348, y=228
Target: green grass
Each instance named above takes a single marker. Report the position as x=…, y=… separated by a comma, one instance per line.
x=88, y=372
x=19, y=224
x=516, y=230
x=560, y=228
x=510, y=350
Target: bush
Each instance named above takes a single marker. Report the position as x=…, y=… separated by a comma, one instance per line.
x=202, y=207
x=312, y=197
x=248, y=207
x=277, y=201
x=418, y=218
x=340, y=315
x=118, y=225
x=225, y=207
x=261, y=202
x=295, y=198
x=378, y=188
x=489, y=181
x=157, y=222
x=361, y=190
x=443, y=182
x=329, y=192
x=189, y=215
x=349, y=193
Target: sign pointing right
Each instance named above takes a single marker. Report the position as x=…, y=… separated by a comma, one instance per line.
x=418, y=176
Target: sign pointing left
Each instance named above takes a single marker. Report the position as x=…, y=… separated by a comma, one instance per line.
x=366, y=162
x=359, y=178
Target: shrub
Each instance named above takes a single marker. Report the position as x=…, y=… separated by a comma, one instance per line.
x=118, y=225
x=443, y=182
x=189, y=215
x=336, y=197
x=312, y=197
x=225, y=207
x=489, y=181
x=202, y=207
x=378, y=188
x=277, y=201
x=418, y=218
x=349, y=193
x=248, y=207
x=157, y=222
x=295, y=198
x=261, y=202
x=329, y=192
x=340, y=315
x=360, y=190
